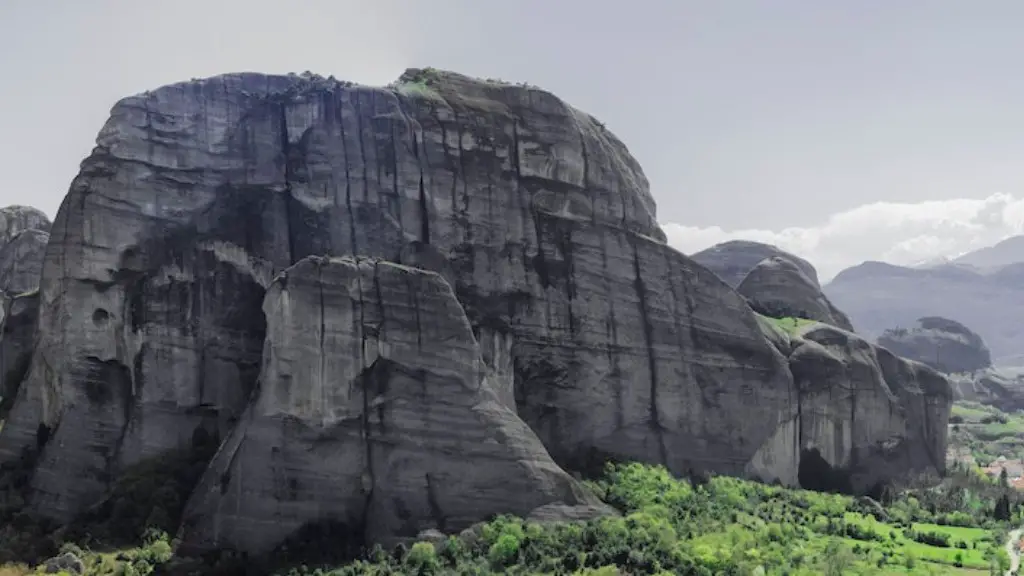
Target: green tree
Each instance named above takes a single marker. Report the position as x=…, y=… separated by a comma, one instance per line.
x=838, y=558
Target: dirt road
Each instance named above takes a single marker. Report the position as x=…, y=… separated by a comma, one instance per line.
x=1012, y=551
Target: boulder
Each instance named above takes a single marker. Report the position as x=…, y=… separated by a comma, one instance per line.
x=66, y=563
x=733, y=260
x=944, y=344
x=375, y=412
x=778, y=287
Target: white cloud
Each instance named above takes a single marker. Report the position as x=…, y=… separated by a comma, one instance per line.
x=898, y=233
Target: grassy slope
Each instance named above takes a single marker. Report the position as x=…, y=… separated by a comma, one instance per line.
x=986, y=432
x=789, y=325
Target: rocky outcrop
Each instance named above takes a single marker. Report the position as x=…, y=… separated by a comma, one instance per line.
x=24, y=232
x=585, y=325
x=733, y=260
x=1001, y=388
x=376, y=412
x=17, y=219
x=866, y=416
x=944, y=344
x=23, y=237
x=778, y=287
x=21, y=261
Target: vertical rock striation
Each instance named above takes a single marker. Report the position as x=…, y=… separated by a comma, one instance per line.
x=23, y=238
x=602, y=339
x=376, y=412
x=866, y=416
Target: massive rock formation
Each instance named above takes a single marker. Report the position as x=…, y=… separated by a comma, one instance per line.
x=733, y=260
x=778, y=287
x=866, y=416
x=598, y=336
x=878, y=296
x=944, y=344
x=375, y=411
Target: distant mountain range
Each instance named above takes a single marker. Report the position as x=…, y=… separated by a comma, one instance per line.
x=983, y=289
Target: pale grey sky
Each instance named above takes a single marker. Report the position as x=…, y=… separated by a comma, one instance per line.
x=768, y=118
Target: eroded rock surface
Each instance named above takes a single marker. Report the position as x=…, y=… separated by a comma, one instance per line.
x=24, y=232
x=866, y=416
x=605, y=341
x=16, y=219
x=375, y=411
x=944, y=344
x=18, y=316
x=23, y=237
x=618, y=345
x=733, y=260
x=21, y=261
x=778, y=287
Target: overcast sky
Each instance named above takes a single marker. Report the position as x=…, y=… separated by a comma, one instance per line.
x=817, y=125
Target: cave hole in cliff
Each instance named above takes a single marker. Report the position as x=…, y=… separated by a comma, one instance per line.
x=815, y=473
x=100, y=317
x=106, y=380
x=317, y=543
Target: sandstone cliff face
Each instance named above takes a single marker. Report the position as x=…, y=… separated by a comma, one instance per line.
x=155, y=319
x=733, y=260
x=778, y=287
x=866, y=416
x=944, y=344
x=375, y=411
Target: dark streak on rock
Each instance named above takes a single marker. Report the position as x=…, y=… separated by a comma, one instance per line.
x=652, y=364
